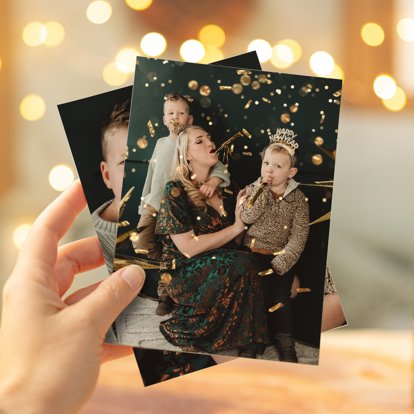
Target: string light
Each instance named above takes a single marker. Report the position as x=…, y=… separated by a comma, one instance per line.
x=138, y=4
x=385, y=86
x=192, y=51
x=61, y=177
x=322, y=63
x=263, y=49
x=32, y=107
x=153, y=44
x=99, y=12
x=372, y=34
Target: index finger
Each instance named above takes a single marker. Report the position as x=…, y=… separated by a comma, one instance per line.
x=40, y=246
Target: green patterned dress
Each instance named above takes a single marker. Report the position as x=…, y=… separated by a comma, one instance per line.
x=218, y=296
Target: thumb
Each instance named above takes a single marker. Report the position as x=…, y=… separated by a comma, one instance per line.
x=112, y=296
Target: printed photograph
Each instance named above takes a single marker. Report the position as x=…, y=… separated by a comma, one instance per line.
x=226, y=202
x=97, y=128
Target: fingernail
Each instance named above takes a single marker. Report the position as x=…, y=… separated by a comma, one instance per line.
x=134, y=276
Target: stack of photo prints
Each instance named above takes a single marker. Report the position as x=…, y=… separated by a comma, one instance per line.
x=216, y=179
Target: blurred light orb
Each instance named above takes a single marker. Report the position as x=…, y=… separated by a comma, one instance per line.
x=55, y=34
x=113, y=76
x=405, y=30
x=263, y=49
x=20, y=233
x=385, y=86
x=294, y=46
x=32, y=107
x=282, y=56
x=34, y=34
x=1, y=63
x=61, y=177
x=372, y=34
x=337, y=73
x=192, y=51
x=322, y=63
x=397, y=102
x=138, y=4
x=99, y=12
x=212, y=55
x=153, y=44
x=212, y=35
x=125, y=60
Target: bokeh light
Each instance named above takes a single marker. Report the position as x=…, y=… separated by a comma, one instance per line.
x=55, y=34
x=294, y=46
x=322, y=63
x=212, y=55
x=20, y=233
x=61, y=177
x=153, y=44
x=372, y=34
x=125, y=60
x=138, y=4
x=34, y=34
x=99, y=12
x=113, y=76
x=282, y=56
x=32, y=107
x=405, y=29
x=337, y=73
x=385, y=86
x=212, y=35
x=192, y=51
x=263, y=49
x=1, y=63
x=397, y=102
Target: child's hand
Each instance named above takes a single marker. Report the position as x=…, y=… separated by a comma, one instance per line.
x=208, y=188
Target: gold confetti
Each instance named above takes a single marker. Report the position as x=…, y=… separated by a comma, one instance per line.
x=193, y=84
x=122, y=237
x=225, y=88
x=173, y=264
x=247, y=154
x=252, y=242
x=266, y=272
x=124, y=223
x=306, y=89
x=330, y=154
x=223, y=212
x=262, y=78
x=322, y=118
x=151, y=129
x=134, y=236
x=124, y=200
x=255, y=85
x=276, y=307
x=318, y=141
x=294, y=107
x=325, y=217
x=279, y=252
x=141, y=251
x=166, y=278
x=231, y=148
x=237, y=88
x=248, y=103
x=266, y=100
x=198, y=218
x=337, y=94
x=226, y=190
x=303, y=290
x=225, y=147
x=285, y=118
x=244, y=72
x=245, y=80
x=175, y=192
x=205, y=90
x=317, y=159
x=247, y=133
x=142, y=142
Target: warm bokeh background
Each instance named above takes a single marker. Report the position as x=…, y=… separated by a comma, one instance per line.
x=73, y=51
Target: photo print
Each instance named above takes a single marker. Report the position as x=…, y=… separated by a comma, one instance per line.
x=226, y=203
x=84, y=121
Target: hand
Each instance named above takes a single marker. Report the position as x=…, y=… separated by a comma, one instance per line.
x=51, y=349
x=208, y=189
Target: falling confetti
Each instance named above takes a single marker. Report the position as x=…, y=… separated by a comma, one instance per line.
x=317, y=159
x=245, y=80
x=266, y=272
x=247, y=133
x=248, y=103
x=151, y=129
x=124, y=200
x=141, y=251
x=318, y=141
x=205, y=90
x=247, y=154
x=124, y=223
x=142, y=143
x=303, y=290
x=276, y=307
x=267, y=100
x=279, y=252
x=237, y=88
x=255, y=85
x=325, y=217
x=285, y=118
x=225, y=88
x=193, y=85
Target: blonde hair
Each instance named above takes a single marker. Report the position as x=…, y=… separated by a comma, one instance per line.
x=276, y=147
x=181, y=168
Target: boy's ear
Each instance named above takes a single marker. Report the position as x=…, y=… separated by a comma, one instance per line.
x=293, y=171
x=163, y=120
x=105, y=174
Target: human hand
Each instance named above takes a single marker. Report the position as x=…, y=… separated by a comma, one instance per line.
x=51, y=349
x=208, y=188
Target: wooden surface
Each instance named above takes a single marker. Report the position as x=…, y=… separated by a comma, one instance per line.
x=359, y=372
